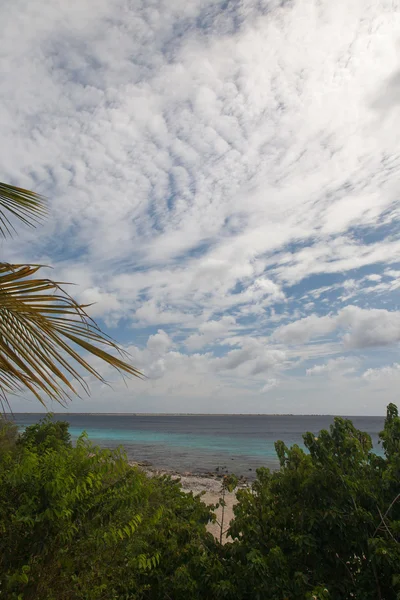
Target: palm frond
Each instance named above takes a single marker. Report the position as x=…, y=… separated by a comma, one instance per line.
x=41, y=330
x=24, y=205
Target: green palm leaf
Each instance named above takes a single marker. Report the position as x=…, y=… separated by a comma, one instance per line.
x=43, y=329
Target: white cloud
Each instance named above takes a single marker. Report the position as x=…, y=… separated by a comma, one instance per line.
x=178, y=382
x=202, y=158
x=369, y=328
x=335, y=366
x=159, y=343
x=364, y=327
x=253, y=358
x=210, y=331
x=305, y=329
x=340, y=256
x=101, y=302
x=154, y=313
x=386, y=373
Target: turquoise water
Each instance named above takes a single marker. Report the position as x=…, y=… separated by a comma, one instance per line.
x=201, y=443
x=230, y=445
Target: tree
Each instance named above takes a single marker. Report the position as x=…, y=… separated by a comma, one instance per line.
x=42, y=328
x=78, y=523
x=46, y=435
x=229, y=484
x=327, y=524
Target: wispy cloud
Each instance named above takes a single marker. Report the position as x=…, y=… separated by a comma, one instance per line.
x=214, y=168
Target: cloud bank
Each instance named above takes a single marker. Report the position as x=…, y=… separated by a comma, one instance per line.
x=223, y=180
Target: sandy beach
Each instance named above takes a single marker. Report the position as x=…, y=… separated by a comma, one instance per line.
x=211, y=489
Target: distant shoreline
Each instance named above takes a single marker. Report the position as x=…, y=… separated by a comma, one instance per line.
x=137, y=414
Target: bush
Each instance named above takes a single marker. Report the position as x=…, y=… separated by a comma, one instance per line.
x=46, y=435
x=80, y=523
x=327, y=524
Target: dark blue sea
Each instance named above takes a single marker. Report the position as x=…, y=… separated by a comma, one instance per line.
x=201, y=443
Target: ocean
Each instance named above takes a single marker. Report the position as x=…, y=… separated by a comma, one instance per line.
x=199, y=444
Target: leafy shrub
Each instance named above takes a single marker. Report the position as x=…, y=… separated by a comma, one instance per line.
x=46, y=435
x=327, y=524
x=80, y=523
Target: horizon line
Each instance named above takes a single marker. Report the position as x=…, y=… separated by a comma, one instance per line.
x=172, y=414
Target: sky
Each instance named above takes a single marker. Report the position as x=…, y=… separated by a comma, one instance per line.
x=223, y=180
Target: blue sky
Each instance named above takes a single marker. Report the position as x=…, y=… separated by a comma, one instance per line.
x=224, y=186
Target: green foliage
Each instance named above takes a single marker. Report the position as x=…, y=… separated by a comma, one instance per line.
x=8, y=435
x=390, y=438
x=78, y=523
x=229, y=484
x=327, y=524
x=46, y=435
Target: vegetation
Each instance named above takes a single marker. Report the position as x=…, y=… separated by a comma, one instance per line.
x=8, y=436
x=79, y=522
x=76, y=522
x=327, y=524
x=43, y=329
x=229, y=484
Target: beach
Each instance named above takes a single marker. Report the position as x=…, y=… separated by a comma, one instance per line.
x=212, y=492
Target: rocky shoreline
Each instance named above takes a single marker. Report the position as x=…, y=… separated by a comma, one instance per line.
x=195, y=482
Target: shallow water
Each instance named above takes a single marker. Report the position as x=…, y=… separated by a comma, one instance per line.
x=201, y=443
